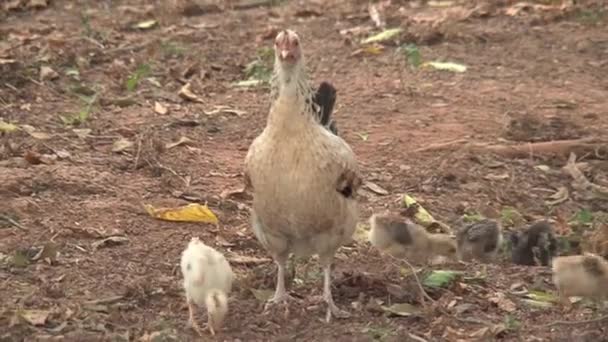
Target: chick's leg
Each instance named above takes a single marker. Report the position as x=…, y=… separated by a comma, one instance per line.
x=332, y=309
x=192, y=320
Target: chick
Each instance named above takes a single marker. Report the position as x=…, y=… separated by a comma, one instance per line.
x=534, y=246
x=208, y=281
x=480, y=240
x=405, y=239
x=581, y=275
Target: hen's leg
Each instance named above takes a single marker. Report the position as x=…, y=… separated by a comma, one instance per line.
x=332, y=309
x=280, y=294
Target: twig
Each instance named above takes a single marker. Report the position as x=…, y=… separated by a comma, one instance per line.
x=562, y=147
x=138, y=153
x=423, y=293
x=581, y=182
x=13, y=222
x=587, y=321
x=441, y=146
x=416, y=338
x=108, y=300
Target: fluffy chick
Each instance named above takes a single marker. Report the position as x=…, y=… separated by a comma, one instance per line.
x=405, y=239
x=581, y=275
x=480, y=240
x=534, y=246
x=207, y=281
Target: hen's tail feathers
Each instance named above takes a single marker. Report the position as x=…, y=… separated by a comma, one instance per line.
x=325, y=98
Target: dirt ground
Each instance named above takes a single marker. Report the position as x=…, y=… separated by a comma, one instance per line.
x=80, y=172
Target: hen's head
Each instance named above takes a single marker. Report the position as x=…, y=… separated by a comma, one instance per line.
x=287, y=50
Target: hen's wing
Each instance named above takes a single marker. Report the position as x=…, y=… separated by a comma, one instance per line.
x=349, y=177
x=483, y=230
x=323, y=105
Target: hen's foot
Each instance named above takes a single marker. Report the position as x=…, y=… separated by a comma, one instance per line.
x=334, y=311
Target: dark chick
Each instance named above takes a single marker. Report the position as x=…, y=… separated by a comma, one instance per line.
x=534, y=246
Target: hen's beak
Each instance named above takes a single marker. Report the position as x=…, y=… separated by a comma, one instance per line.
x=285, y=54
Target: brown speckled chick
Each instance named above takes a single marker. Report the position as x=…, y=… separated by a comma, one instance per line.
x=402, y=238
x=480, y=240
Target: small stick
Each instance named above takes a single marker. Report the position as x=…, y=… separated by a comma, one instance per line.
x=587, y=321
x=13, y=222
x=416, y=338
x=422, y=292
x=441, y=146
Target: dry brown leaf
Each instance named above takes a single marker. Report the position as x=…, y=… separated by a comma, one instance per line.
x=376, y=188
x=121, y=145
x=110, y=241
x=159, y=108
x=32, y=157
x=503, y=302
x=47, y=73
x=182, y=141
x=232, y=192
x=374, y=14
x=35, y=317
x=186, y=93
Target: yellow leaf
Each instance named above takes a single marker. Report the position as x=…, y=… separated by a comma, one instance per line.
x=7, y=127
x=192, y=212
x=422, y=216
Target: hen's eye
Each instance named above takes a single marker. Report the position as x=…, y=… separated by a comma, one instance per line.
x=296, y=43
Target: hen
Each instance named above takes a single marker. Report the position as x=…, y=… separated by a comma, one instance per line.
x=303, y=177
x=207, y=280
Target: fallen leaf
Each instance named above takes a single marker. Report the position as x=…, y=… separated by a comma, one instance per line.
x=47, y=73
x=262, y=295
x=19, y=259
x=82, y=133
x=35, y=317
x=37, y=3
x=4, y=61
x=32, y=157
x=145, y=25
x=186, y=93
x=537, y=303
x=374, y=14
x=376, y=188
x=33, y=132
x=181, y=141
x=492, y=176
x=248, y=83
x=225, y=109
x=561, y=195
x=440, y=278
x=422, y=216
x=543, y=168
x=121, y=145
x=363, y=136
x=502, y=302
x=248, y=260
x=447, y=66
x=7, y=127
x=382, y=36
x=232, y=192
x=402, y=309
x=542, y=296
x=160, y=109
x=440, y=3
x=192, y=212
x=110, y=241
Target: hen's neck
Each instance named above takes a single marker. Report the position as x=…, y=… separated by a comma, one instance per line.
x=291, y=97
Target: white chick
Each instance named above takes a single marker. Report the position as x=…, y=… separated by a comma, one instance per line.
x=581, y=275
x=402, y=238
x=208, y=281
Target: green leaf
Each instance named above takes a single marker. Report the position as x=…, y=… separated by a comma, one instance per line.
x=447, y=66
x=142, y=71
x=510, y=216
x=537, y=303
x=541, y=296
x=382, y=36
x=584, y=217
x=471, y=218
x=412, y=54
x=440, y=278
